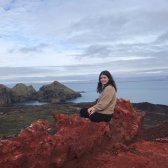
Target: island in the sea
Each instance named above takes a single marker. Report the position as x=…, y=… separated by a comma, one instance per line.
x=51, y=93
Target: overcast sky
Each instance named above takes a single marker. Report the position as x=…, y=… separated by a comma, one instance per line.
x=51, y=38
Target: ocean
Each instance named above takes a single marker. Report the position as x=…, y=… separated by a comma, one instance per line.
x=155, y=92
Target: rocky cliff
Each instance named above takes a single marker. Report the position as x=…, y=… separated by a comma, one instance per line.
x=52, y=93
x=55, y=93
x=5, y=96
x=21, y=92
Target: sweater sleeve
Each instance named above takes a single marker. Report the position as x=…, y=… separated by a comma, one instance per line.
x=105, y=98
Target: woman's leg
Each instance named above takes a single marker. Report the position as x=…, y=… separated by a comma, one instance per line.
x=98, y=117
x=84, y=113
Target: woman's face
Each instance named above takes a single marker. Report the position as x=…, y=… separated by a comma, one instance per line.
x=104, y=79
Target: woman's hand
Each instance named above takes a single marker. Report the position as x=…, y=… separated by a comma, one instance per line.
x=91, y=110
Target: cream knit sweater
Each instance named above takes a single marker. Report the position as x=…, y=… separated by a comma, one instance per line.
x=106, y=101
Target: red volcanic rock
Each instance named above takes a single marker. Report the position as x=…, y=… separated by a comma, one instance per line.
x=138, y=155
x=78, y=142
x=126, y=122
x=124, y=127
x=32, y=148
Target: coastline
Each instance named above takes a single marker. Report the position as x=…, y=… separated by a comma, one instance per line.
x=137, y=91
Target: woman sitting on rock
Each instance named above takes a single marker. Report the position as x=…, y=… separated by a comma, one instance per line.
x=104, y=107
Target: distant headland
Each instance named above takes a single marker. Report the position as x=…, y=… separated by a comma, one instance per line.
x=54, y=92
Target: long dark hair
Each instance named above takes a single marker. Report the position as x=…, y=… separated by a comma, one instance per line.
x=110, y=82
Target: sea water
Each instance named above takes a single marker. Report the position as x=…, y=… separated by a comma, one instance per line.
x=155, y=92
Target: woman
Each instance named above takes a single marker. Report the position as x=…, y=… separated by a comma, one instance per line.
x=104, y=108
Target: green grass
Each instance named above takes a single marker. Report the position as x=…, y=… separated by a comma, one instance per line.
x=13, y=119
x=12, y=123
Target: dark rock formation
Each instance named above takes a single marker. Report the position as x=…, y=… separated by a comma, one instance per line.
x=154, y=113
x=55, y=93
x=5, y=96
x=155, y=108
x=78, y=142
x=21, y=92
x=159, y=131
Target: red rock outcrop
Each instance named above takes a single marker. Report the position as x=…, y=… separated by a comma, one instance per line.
x=126, y=122
x=142, y=154
x=78, y=142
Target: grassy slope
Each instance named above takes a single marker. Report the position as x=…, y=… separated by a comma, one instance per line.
x=13, y=119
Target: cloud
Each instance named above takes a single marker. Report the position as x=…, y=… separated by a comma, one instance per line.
x=97, y=51
x=8, y=6
x=37, y=48
x=163, y=38
x=123, y=37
